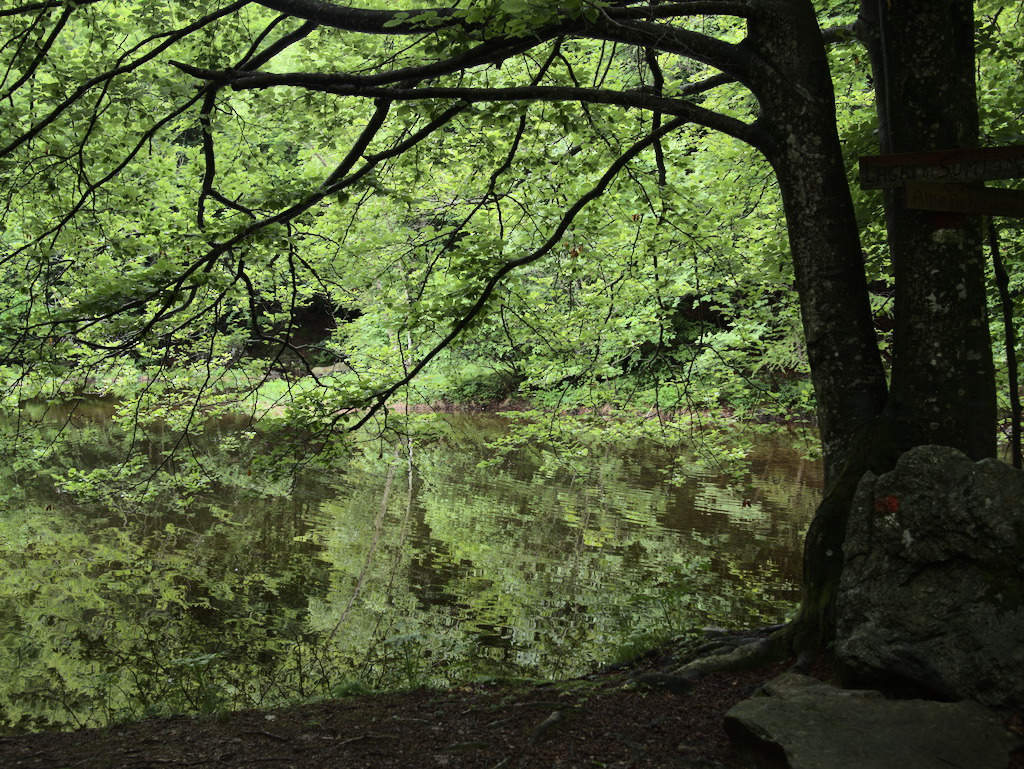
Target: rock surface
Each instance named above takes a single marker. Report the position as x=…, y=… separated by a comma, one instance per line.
x=932, y=593
x=805, y=724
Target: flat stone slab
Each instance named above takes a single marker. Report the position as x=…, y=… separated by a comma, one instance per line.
x=805, y=724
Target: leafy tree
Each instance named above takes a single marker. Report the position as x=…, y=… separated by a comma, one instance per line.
x=474, y=138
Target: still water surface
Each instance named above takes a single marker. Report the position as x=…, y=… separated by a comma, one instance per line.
x=399, y=567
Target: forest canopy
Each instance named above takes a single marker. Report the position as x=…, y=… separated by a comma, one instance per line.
x=154, y=222
x=574, y=203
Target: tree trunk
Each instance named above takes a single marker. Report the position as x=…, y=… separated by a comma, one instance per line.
x=798, y=122
x=798, y=117
x=943, y=379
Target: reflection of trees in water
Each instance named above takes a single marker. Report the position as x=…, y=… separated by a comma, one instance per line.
x=552, y=569
x=411, y=567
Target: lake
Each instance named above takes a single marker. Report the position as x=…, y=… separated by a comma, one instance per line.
x=154, y=573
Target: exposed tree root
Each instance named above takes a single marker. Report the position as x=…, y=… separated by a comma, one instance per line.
x=717, y=651
x=743, y=652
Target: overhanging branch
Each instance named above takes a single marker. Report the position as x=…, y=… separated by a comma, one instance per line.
x=634, y=25
x=733, y=59
x=637, y=99
x=420, y=20
x=365, y=20
x=513, y=264
x=737, y=8
x=492, y=52
x=46, y=5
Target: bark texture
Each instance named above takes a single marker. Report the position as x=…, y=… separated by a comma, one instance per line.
x=943, y=380
x=801, y=141
x=798, y=121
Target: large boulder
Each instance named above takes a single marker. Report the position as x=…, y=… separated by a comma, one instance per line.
x=805, y=724
x=932, y=592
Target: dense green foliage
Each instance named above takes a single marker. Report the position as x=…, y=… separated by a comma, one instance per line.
x=100, y=216
x=125, y=258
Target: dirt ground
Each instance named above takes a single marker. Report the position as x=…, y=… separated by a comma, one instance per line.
x=605, y=720
x=597, y=721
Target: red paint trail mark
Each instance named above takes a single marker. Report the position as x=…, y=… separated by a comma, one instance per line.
x=890, y=503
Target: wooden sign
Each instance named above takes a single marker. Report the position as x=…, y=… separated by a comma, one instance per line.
x=949, y=166
x=964, y=199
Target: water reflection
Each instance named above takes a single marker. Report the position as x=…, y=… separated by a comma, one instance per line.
x=547, y=570
x=220, y=586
